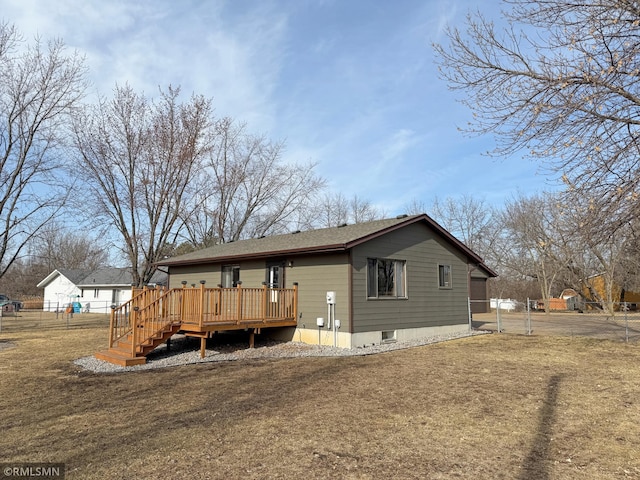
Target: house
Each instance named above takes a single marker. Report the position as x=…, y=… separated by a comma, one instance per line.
x=95, y=290
x=395, y=279
x=61, y=287
x=595, y=293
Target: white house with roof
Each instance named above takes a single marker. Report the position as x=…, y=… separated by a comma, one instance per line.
x=91, y=291
x=61, y=288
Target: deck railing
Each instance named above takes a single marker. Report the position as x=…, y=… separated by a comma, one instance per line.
x=121, y=316
x=200, y=309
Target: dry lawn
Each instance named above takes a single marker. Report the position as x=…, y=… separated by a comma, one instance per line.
x=488, y=407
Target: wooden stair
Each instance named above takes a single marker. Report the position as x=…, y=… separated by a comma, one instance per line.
x=121, y=352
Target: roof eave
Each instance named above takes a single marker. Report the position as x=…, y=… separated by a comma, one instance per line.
x=254, y=256
x=48, y=279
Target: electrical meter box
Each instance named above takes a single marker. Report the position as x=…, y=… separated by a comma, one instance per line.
x=331, y=298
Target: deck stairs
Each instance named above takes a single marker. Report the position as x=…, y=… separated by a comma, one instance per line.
x=152, y=316
x=122, y=352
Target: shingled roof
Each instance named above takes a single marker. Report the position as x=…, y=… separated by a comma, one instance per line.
x=112, y=276
x=322, y=240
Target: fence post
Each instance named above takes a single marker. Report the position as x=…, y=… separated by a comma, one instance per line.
x=469, y=313
x=498, y=319
x=528, y=316
x=626, y=323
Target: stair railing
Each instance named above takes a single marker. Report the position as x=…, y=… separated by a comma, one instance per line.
x=151, y=310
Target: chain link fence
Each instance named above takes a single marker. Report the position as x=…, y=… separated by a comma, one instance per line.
x=522, y=318
x=62, y=306
x=37, y=314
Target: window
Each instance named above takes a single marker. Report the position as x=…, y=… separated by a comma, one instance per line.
x=444, y=276
x=230, y=276
x=386, y=278
x=275, y=275
x=388, y=336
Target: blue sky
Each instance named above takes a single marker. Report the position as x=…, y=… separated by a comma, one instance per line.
x=348, y=84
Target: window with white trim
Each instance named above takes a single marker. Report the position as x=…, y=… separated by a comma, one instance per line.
x=444, y=276
x=386, y=278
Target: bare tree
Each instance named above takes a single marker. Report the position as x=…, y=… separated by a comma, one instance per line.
x=332, y=210
x=532, y=243
x=336, y=209
x=560, y=82
x=55, y=247
x=363, y=211
x=39, y=87
x=470, y=219
x=253, y=192
x=601, y=266
x=415, y=207
x=139, y=159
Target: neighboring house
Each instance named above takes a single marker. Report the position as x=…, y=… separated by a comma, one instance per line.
x=61, y=287
x=395, y=279
x=594, y=290
x=95, y=290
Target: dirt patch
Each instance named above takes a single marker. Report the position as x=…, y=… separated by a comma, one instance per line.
x=492, y=406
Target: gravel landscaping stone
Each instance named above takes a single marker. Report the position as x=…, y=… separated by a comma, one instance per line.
x=185, y=351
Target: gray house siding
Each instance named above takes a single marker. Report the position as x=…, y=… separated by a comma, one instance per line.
x=426, y=304
x=192, y=274
x=316, y=275
x=252, y=274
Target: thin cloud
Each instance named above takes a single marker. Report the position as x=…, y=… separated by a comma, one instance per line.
x=350, y=85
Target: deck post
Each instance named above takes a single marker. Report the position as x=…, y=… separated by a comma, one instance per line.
x=203, y=345
x=182, y=300
x=111, y=323
x=295, y=301
x=218, y=309
x=134, y=330
x=265, y=301
x=252, y=335
x=201, y=316
x=239, y=305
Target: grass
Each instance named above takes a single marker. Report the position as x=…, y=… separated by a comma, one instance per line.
x=487, y=407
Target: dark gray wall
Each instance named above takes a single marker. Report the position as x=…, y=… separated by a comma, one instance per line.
x=426, y=304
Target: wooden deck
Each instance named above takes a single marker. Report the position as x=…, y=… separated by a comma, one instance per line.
x=152, y=316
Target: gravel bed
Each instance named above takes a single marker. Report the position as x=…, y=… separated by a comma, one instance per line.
x=186, y=351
